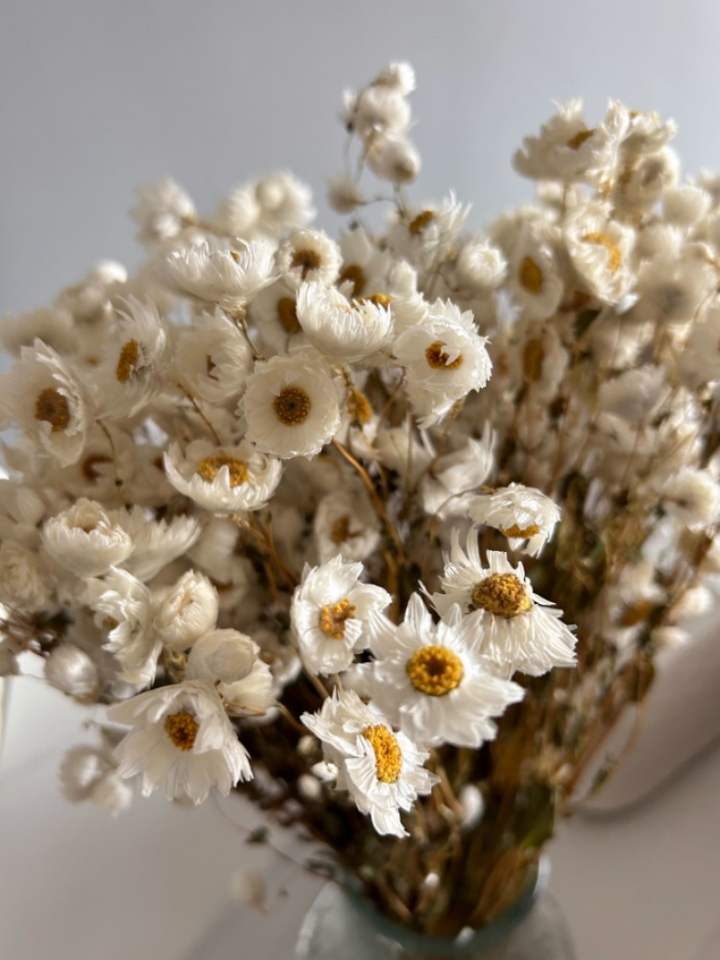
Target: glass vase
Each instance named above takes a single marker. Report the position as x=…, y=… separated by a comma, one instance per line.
x=344, y=926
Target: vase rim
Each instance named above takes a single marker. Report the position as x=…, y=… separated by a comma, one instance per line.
x=468, y=940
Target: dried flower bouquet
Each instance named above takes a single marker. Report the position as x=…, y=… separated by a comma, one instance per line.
x=387, y=530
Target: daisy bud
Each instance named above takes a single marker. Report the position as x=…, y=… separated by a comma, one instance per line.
x=71, y=670
x=230, y=660
x=309, y=788
x=480, y=266
x=394, y=159
x=89, y=773
x=24, y=582
x=344, y=195
x=188, y=610
x=85, y=540
x=473, y=806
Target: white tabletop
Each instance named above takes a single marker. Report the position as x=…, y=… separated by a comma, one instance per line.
x=154, y=884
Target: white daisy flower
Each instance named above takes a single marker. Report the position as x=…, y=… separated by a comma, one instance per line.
x=686, y=205
x=86, y=539
x=692, y=497
x=366, y=266
x=90, y=301
x=238, y=213
x=292, y=405
x=54, y=327
x=431, y=680
x=105, y=470
x=163, y=211
x=383, y=771
x=642, y=182
x=213, y=358
x=274, y=320
x=44, y=396
x=427, y=236
x=223, y=479
x=329, y=610
x=156, y=543
x=342, y=331
x=443, y=362
x=231, y=661
x=394, y=158
x=377, y=109
x=568, y=150
x=699, y=361
x=534, y=282
x=508, y=623
x=522, y=514
x=448, y=489
x=124, y=606
x=182, y=739
x=186, y=611
x=309, y=255
x=600, y=249
x=131, y=377
x=671, y=289
x=285, y=203
x=228, y=275
x=345, y=525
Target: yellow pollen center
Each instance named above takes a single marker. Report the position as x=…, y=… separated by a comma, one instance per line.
x=533, y=356
x=287, y=315
x=333, y=617
x=307, y=260
x=516, y=531
x=530, y=276
x=439, y=358
x=340, y=532
x=90, y=464
x=503, y=594
x=379, y=299
x=435, y=670
x=579, y=139
x=388, y=756
x=209, y=468
x=419, y=223
x=359, y=406
x=182, y=729
x=614, y=255
x=52, y=407
x=292, y=406
x=354, y=273
x=129, y=356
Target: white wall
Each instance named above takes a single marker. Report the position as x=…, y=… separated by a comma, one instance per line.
x=97, y=97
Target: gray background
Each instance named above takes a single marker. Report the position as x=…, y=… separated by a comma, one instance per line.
x=97, y=97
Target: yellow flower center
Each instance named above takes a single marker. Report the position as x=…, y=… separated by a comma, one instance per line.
x=435, y=670
x=418, y=224
x=209, y=468
x=52, y=407
x=503, y=594
x=292, y=406
x=307, y=260
x=515, y=531
x=182, y=729
x=129, y=356
x=533, y=356
x=530, y=276
x=333, y=616
x=379, y=299
x=287, y=315
x=359, y=406
x=90, y=464
x=614, y=254
x=340, y=532
x=579, y=139
x=439, y=358
x=354, y=273
x=388, y=756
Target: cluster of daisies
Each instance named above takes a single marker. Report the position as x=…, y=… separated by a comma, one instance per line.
x=272, y=468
